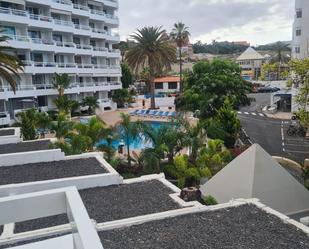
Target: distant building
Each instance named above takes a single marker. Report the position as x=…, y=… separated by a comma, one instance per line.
x=251, y=63
x=169, y=84
x=241, y=43
x=300, y=44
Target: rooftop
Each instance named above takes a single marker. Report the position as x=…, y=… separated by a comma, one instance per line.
x=167, y=79
x=250, y=54
x=50, y=170
x=255, y=174
x=24, y=146
x=246, y=226
x=114, y=203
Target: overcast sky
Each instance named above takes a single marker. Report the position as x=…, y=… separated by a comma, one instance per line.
x=257, y=21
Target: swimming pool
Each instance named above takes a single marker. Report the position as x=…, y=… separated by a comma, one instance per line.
x=137, y=144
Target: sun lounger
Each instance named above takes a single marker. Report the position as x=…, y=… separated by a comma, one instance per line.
x=165, y=115
x=151, y=113
x=158, y=114
x=140, y=112
x=134, y=113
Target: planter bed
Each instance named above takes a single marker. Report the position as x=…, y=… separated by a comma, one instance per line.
x=237, y=227
x=8, y=132
x=114, y=203
x=24, y=147
x=50, y=170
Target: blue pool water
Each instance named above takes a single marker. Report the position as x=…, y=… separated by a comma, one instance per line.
x=137, y=144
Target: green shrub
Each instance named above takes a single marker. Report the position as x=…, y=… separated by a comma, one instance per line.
x=209, y=200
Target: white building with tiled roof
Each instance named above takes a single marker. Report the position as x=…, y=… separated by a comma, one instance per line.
x=251, y=63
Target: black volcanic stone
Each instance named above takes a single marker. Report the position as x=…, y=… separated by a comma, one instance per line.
x=50, y=170
x=113, y=203
x=24, y=147
x=9, y=132
x=245, y=227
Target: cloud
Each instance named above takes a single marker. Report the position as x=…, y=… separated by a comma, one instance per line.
x=258, y=21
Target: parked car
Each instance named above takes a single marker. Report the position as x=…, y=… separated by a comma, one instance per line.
x=268, y=89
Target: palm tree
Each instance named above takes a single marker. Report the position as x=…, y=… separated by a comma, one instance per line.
x=28, y=121
x=180, y=34
x=61, y=82
x=61, y=127
x=280, y=57
x=10, y=65
x=108, y=147
x=92, y=103
x=129, y=132
x=64, y=104
x=153, y=50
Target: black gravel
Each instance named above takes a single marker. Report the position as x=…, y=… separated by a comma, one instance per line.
x=1, y=230
x=24, y=147
x=41, y=223
x=9, y=132
x=50, y=170
x=245, y=227
x=113, y=203
x=128, y=200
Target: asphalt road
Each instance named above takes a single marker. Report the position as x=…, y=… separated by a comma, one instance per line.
x=271, y=135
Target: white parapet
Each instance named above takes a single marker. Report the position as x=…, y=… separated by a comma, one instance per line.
x=48, y=203
x=11, y=139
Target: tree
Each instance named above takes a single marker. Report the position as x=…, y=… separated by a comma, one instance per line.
x=151, y=157
x=280, y=58
x=225, y=125
x=129, y=131
x=180, y=34
x=187, y=175
x=10, y=65
x=127, y=77
x=214, y=157
x=28, y=124
x=60, y=83
x=95, y=130
x=121, y=96
x=92, y=104
x=108, y=147
x=153, y=50
x=61, y=127
x=64, y=104
x=210, y=84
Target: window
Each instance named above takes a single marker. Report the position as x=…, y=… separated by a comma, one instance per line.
x=57, y=38
x=299, y=13
x=159, y=85
x=172, y=85
x=297, y=50
x=9, y=31
x=298, y=32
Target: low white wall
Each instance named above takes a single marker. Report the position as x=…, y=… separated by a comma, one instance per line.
x=80, y=182
x=12, y=139
x=31, y=157
x=165, y=102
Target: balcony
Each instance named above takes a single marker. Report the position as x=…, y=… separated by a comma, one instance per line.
x=32, y=67
x=48, y=89
x=24, y=17
x=43, y=44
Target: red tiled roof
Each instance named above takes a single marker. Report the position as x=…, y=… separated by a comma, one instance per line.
x=167, y=79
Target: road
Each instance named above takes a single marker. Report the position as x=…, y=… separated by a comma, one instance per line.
x=270, y=133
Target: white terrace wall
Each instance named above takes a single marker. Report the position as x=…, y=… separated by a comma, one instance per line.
x=80, y=182
x=12, y=139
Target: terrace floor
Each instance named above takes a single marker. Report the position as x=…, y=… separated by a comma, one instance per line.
x=50, y=170
x=114, y=203
x=8, y=132
x=24, y=147
x=238, y=227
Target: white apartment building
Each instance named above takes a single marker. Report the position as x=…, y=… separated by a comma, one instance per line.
x=301, y=30
x=61, y=36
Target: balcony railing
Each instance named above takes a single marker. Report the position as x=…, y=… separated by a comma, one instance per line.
x=68, y=65
x=46, y=41
x=49, y=86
